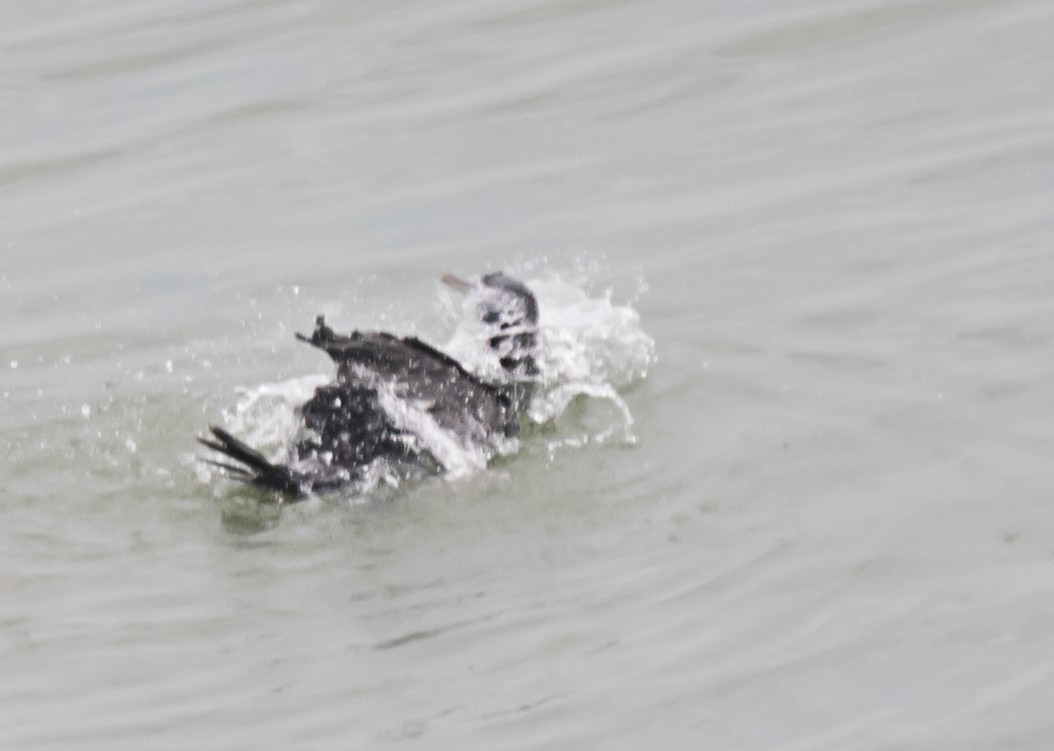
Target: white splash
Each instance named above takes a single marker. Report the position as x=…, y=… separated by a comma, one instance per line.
x=265, y=416
x=458, y=459
x=589, y=346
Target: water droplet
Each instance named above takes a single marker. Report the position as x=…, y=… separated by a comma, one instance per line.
x=168, y=366
x=86, y=410
x=14, y=364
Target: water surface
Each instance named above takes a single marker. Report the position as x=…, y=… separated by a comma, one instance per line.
x=833, y=528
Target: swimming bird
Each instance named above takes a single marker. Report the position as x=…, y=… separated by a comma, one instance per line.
x=398, y=407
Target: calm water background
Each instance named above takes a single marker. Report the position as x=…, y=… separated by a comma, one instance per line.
x=835, y=530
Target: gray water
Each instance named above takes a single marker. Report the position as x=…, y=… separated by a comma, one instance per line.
x=831, y=527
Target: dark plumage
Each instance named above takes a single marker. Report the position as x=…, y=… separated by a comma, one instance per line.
x=394, y=397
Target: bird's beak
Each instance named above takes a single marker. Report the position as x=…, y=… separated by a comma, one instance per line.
x=457, y=283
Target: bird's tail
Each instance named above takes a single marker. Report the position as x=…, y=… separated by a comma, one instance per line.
x=253, y=467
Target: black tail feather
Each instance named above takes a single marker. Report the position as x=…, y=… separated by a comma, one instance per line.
x=236, y=449
x=257, y=470
x=240, y=473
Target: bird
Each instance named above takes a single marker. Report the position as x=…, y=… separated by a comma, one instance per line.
x=398, y=407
